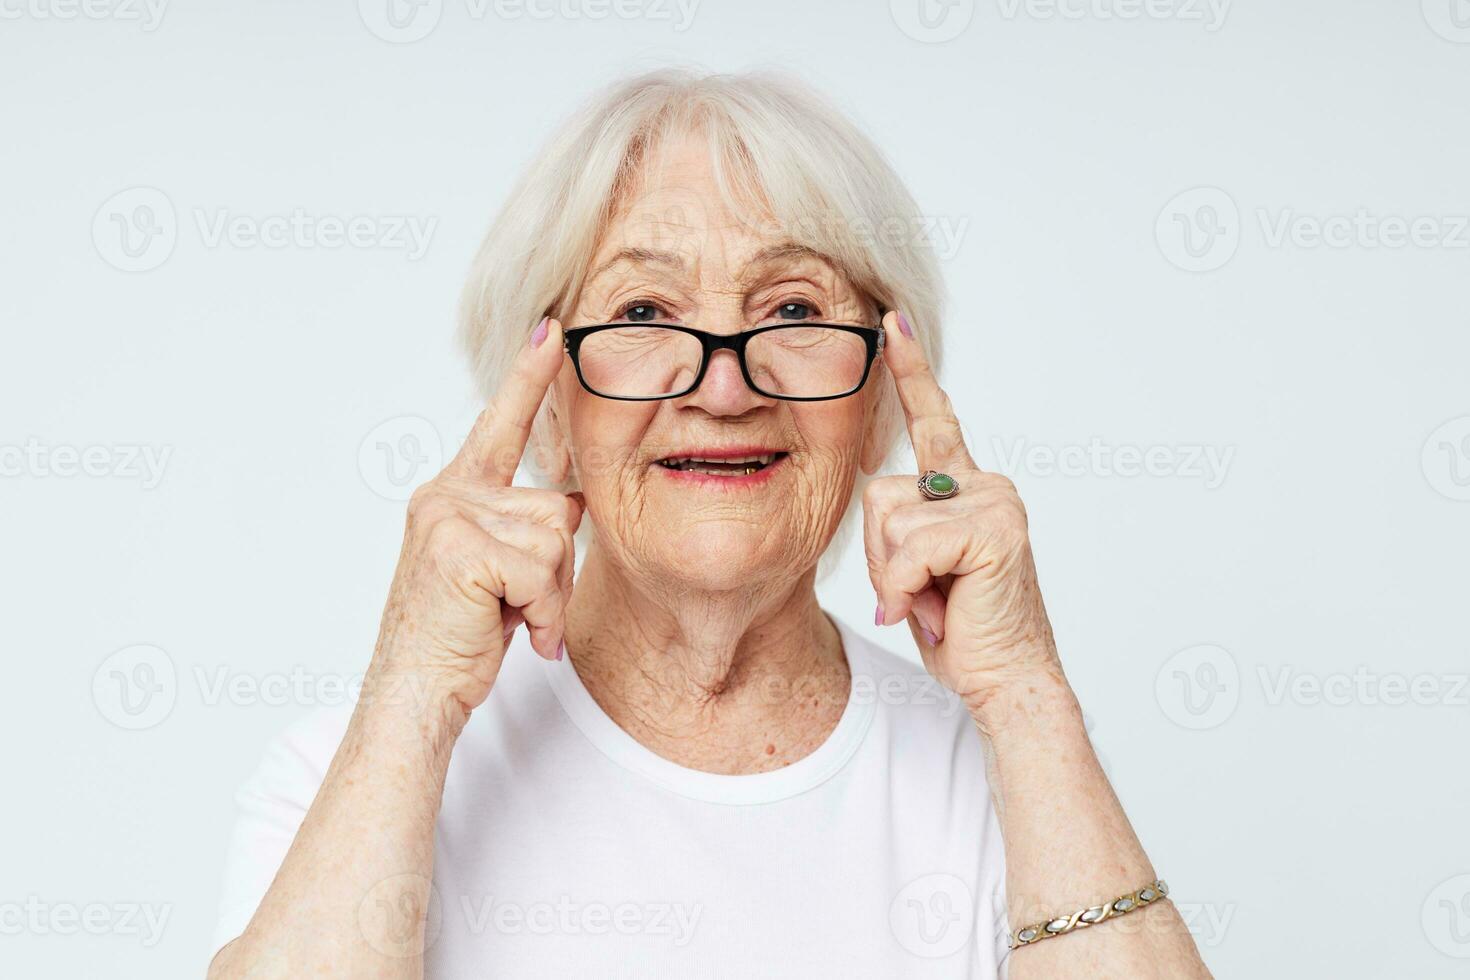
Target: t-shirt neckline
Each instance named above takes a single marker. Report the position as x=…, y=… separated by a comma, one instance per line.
x=754, y=788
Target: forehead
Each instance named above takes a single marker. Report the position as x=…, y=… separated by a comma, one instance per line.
x=674, y=212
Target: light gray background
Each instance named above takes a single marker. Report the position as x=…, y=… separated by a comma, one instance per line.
x=1271, y=649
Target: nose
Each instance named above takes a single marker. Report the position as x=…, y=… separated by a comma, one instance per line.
x=723, y=390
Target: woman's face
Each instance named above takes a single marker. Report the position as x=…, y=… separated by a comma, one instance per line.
x=677, y=255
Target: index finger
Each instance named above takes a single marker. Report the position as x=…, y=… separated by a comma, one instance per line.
x=939, y=442
x=494, y=447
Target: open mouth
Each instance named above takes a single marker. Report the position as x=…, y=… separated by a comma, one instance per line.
x=723, y=466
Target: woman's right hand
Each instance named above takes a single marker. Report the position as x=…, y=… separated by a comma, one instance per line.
x=479, y=555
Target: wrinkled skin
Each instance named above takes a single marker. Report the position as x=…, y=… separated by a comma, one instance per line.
x=696, y=601
x=693, y=600
x=718, y=273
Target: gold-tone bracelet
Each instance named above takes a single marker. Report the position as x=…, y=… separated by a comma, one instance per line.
x=1082, y=918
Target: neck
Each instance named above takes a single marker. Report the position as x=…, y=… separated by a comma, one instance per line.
x=730, y=681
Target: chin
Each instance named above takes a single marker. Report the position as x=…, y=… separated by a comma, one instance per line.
x=721, y=553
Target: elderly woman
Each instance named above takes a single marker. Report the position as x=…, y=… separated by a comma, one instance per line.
x=705, y=317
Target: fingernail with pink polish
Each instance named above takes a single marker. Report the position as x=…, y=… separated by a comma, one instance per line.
x=539, y=334
x=561, y=649
x=878, y=616
x=929, y=636
x=903, y=325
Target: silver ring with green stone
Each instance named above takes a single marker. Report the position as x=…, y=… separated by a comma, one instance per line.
x=937, y=486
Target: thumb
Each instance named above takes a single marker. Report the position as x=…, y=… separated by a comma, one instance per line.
x=928, y=610
x=581, y=501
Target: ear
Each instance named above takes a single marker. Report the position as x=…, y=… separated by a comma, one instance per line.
x=878, y=425
x=551, y=438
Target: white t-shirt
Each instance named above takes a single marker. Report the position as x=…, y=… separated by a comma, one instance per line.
x=565, y=848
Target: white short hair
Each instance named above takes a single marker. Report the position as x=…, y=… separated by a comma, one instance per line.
x=820, y=180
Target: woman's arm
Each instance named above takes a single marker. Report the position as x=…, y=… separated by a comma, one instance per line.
x=351, y=896
x=960, y=570
x=1069, y=844
x=479, y=557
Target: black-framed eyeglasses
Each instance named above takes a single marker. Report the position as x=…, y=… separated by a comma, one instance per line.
x=800, y=362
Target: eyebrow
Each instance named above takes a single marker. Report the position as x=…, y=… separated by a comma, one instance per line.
x=651, y=256
x=788, y=250
x=640, y=256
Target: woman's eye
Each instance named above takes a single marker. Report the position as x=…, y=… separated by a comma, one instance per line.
x=641, y=313
x=794, y=311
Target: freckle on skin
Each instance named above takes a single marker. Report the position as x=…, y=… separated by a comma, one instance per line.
x=770, y=750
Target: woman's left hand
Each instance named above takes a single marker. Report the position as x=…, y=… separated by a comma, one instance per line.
x=960, y=569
